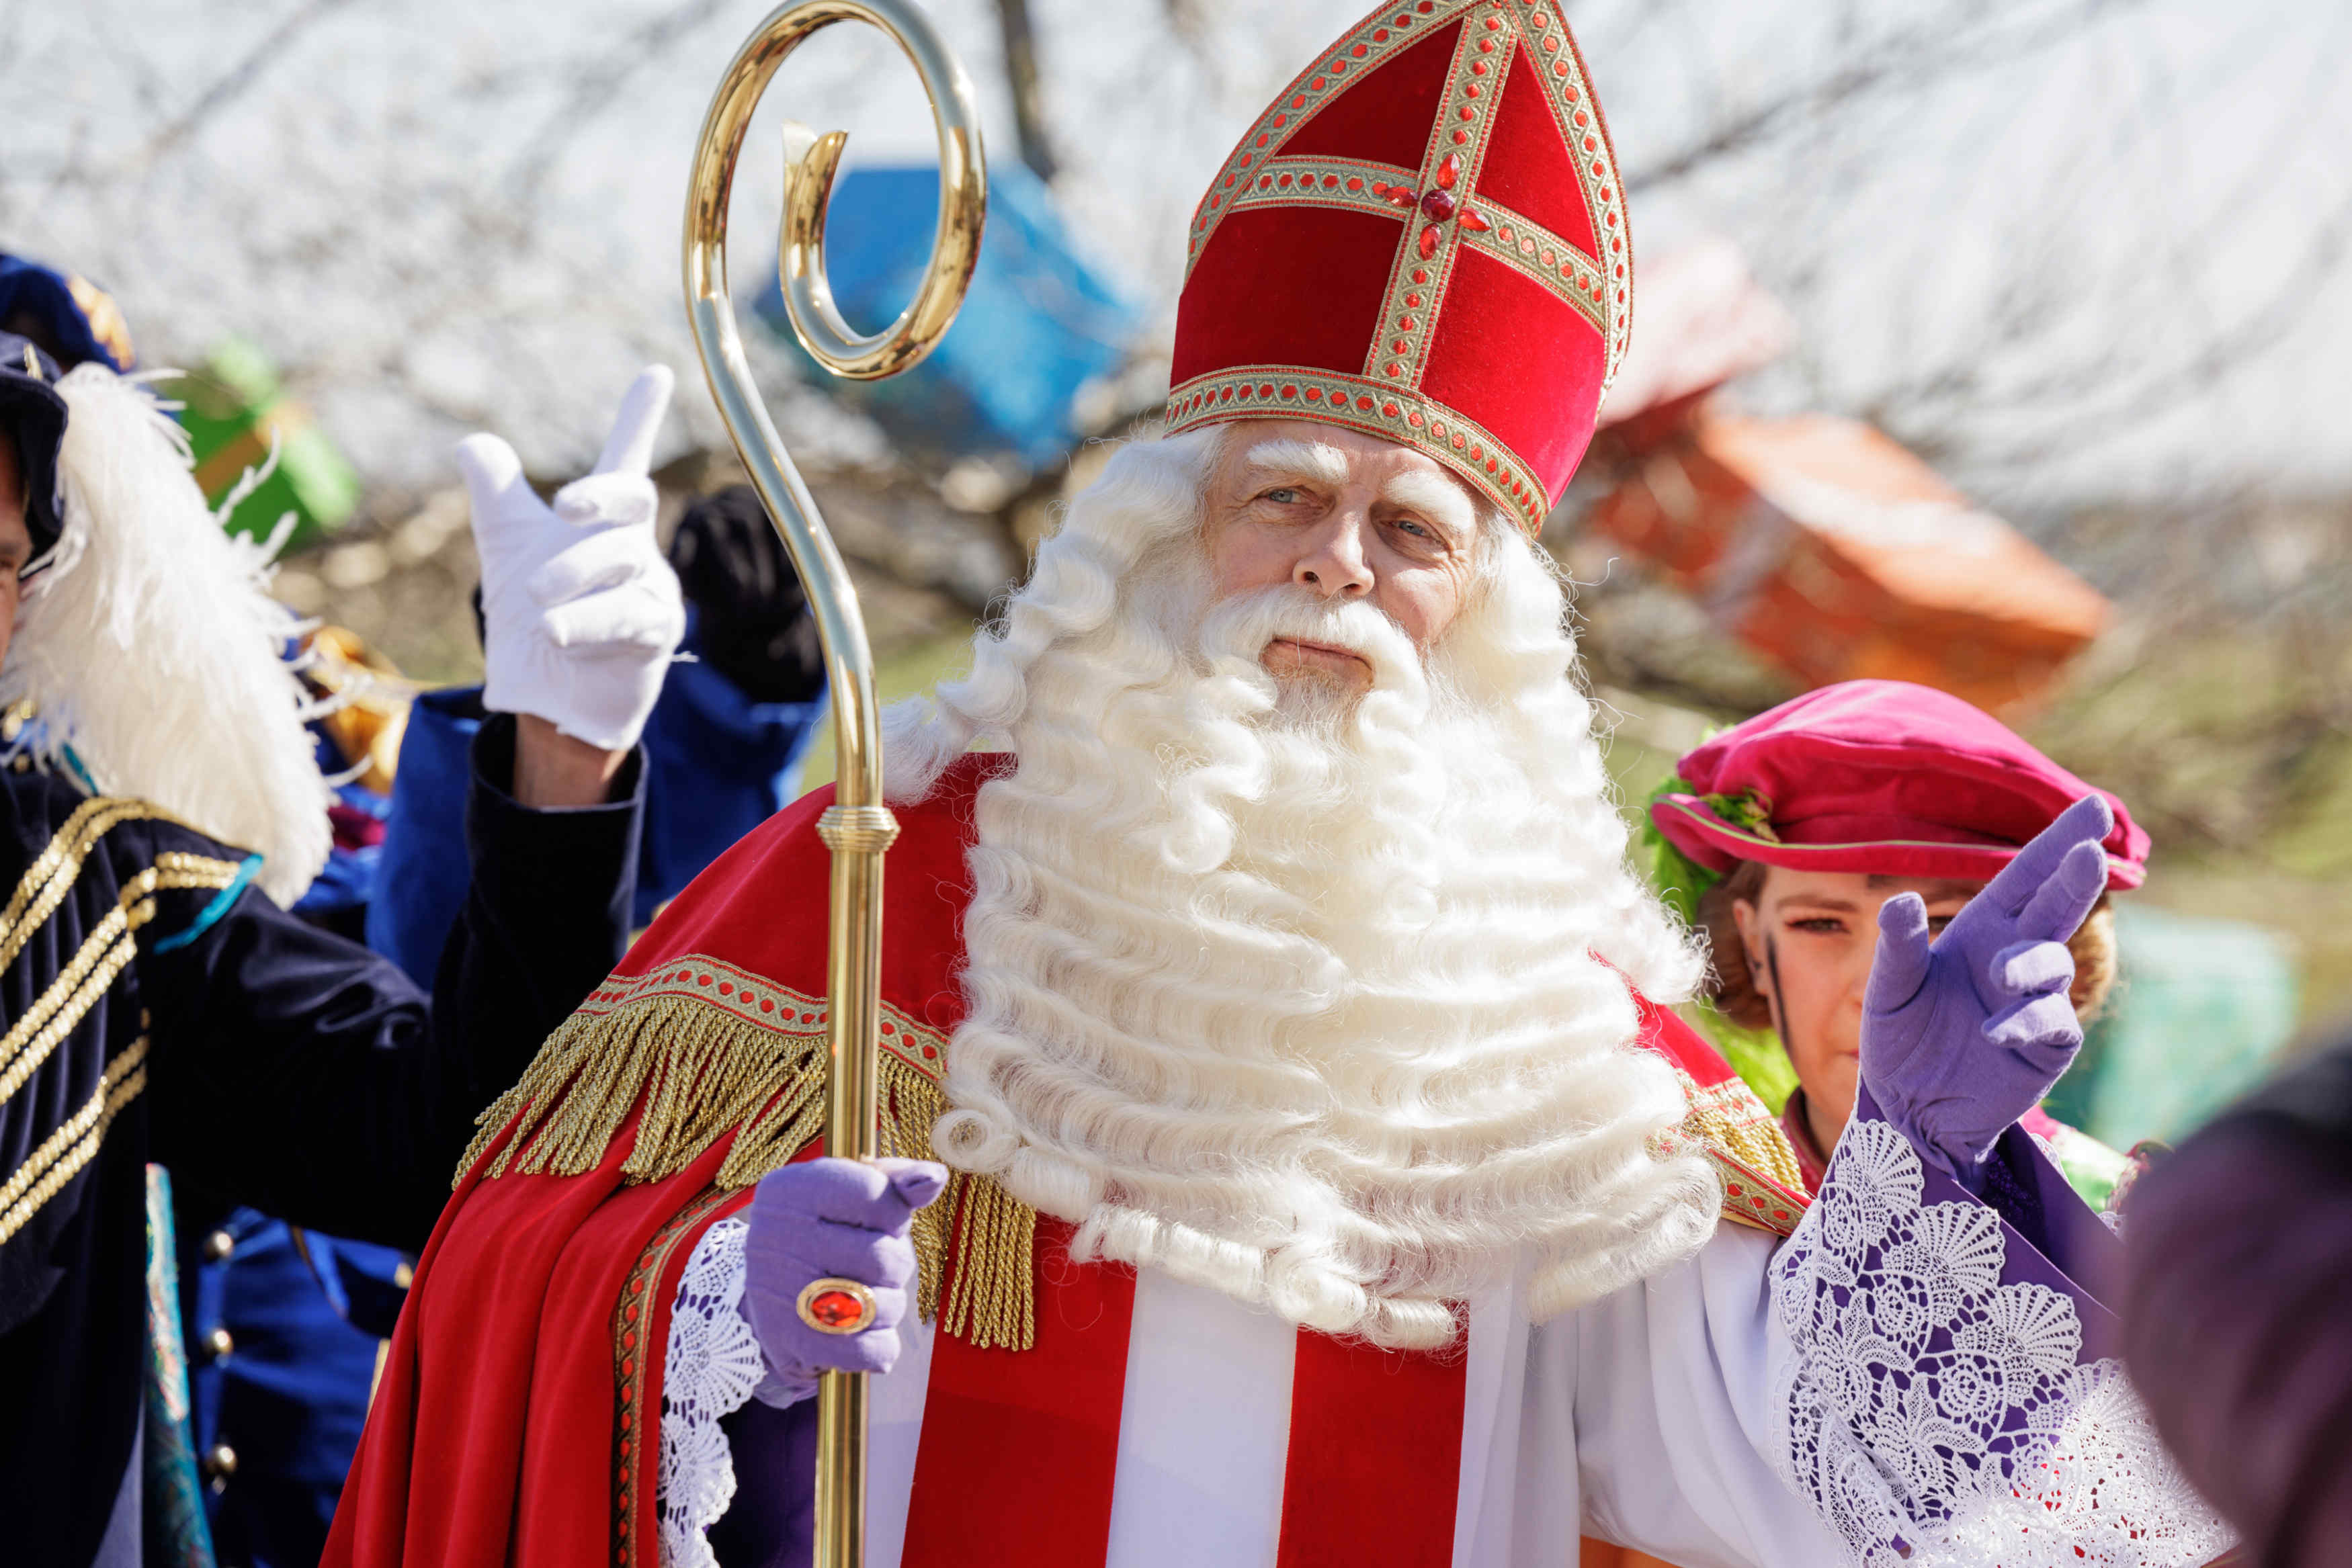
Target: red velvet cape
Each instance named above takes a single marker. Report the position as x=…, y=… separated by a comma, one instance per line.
x=518, y=1411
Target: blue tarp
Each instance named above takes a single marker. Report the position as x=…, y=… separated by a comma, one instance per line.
x=1039, y=322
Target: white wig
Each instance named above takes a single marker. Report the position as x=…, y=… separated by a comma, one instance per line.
x=1327, y=1013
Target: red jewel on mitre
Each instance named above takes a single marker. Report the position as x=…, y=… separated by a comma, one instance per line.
x=1422, y=238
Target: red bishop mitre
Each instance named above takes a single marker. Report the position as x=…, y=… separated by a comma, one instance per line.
x=1422, y=238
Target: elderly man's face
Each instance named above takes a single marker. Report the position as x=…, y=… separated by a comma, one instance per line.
x=16, y=539
x=1345, y=516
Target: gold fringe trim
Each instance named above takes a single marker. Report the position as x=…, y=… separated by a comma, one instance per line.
x=1728, y=1116
x=701, y=1071
x=993, y=1302
x=713, y=1049
x=1763, y=1186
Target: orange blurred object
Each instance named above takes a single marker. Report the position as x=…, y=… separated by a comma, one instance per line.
x=1592, y=1554
x=1837, y=555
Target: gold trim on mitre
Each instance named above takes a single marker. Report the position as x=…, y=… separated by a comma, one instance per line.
x=1385, y=397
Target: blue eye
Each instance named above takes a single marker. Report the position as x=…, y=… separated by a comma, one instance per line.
x=1282, y=495
x=1409, y=525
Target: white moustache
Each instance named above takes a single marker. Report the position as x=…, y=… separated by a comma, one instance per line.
x=1241, y=628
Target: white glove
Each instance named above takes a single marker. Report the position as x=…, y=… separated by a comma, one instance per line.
x=581, y=615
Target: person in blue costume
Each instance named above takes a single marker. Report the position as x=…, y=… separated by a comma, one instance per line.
x=280, y=1327
x=723, y=749
x=159, y=809
x=284, y=1325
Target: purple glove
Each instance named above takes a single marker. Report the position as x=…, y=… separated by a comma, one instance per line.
x=831, y=1219
x=1963, y=1035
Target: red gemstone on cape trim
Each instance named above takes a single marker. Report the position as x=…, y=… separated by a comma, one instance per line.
x=1429, y=242
x=1449, y=171
x=1438, y=204
x=835, y=1309
x=1473, y=222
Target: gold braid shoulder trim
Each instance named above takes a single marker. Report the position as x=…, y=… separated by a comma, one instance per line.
x=57, y=867
x=713, y=1049
x=1762, y=1185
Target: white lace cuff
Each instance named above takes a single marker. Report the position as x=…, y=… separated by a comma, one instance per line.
x=1937, y=1415
x=713, y=1366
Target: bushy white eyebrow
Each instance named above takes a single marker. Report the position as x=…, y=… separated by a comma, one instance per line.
x=1293, y=459
x=1437, y=499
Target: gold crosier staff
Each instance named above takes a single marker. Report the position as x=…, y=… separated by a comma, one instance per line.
x=859, y=827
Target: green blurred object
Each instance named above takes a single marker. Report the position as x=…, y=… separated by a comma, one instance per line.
x=1756, y=1054
x=234, y=408
x=2202, y=1009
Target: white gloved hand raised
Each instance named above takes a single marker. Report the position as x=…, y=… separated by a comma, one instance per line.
x=581, y=615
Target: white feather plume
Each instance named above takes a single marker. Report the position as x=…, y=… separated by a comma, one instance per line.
x=153, y=649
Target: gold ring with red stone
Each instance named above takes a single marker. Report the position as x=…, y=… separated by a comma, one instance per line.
x=836, y=1306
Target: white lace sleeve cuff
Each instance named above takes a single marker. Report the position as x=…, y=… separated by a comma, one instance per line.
x=713, y=1366
x=1936, y=1415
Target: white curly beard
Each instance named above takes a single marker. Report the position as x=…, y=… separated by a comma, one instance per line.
x=152, y=648
x=1300, y=996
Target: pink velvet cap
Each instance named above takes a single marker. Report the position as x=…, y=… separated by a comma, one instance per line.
x=1879, y=777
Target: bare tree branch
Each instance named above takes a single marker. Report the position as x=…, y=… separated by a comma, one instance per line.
x=233, y=83
x=1028, y=95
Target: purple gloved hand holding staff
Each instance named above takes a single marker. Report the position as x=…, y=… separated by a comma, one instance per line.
x=1963, y=1034
x=828, y=1268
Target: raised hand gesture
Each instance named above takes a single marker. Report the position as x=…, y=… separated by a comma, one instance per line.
x=581, y=615
x=1964, y=1034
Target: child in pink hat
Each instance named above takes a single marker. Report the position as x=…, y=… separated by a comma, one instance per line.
x=1782, y=837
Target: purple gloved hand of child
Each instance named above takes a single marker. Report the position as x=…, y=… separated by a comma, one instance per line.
x=831, y=1219
x=1964, y=1034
